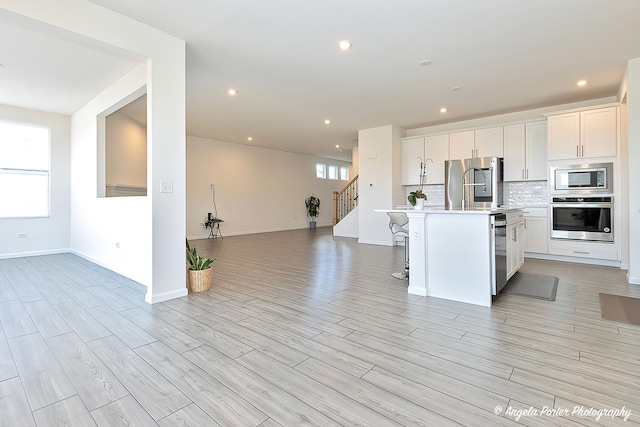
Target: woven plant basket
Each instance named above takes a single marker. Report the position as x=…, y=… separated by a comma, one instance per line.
x=199, y=280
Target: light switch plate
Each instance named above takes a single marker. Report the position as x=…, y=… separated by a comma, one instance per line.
x=166, y=186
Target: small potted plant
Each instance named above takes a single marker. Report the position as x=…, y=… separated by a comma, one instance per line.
x=313, y=209
x=417, y=198
x=199, y=270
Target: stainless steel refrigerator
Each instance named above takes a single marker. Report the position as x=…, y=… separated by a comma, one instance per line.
x=473, y=183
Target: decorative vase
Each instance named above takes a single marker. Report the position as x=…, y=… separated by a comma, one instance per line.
x=312, y=224
x=419, y=204
x=199, y=280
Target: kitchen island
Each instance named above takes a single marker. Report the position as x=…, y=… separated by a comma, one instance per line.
x=452, y=253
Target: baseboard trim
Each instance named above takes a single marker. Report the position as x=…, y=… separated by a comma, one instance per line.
x=376, y=242
x=244, y=233
x=578, y=260
x=35, y=253
x=414, y=290
x=165, y=296
x=633, y=280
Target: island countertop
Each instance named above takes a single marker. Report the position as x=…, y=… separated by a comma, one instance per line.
x=442, y=210
x=451, y=253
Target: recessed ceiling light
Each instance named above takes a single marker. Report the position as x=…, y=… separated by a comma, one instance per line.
x=425, y=62
x=327, y=121
x=344, y=44
x=249, y=139
x=456, y=88
x=582, y=82
x=232, y=92
x=337, y=145
x=443, y=110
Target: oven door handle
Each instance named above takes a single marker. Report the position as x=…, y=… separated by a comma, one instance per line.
x=582, y=205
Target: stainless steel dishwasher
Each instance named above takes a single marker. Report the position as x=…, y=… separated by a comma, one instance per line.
x=499, y=252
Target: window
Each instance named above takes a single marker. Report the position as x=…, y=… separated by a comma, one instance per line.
x=24, y=170
x=344, y=173
x=333, y=172
x=321, y=171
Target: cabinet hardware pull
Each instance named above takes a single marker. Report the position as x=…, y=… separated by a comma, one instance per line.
x=527, y=177
x=577, y=151
x=522, y=173
x=582, y=151
x=581, y=252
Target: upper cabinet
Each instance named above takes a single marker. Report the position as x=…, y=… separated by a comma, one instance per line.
x=412, y=148
x=479, y=143
x=435, y=148
x=489, y=142
x=581, y=134
x=525, y=151
x=462, y=145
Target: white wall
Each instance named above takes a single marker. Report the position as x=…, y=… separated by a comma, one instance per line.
x=379, y=182
x=44, y=235
x=100, y=224
x=126, y=151
x=152, y=228
x=633, y=110
x=257, y=189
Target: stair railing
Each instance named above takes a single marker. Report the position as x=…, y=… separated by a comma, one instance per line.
x=345, y=201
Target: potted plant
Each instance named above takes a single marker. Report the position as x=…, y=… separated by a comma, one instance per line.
x=199, y=270
x=417, y=198
x=313, y=209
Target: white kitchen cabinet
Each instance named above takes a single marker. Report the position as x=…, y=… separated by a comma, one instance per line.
x=489, y=142
x=435, y=148
x=536, y=230
x=479, y=143
x=412, y=148
x=525, y=152
x=584, y=249
x=462, y=145
x=583, y=134
x=536, y=151
x=515, y=247
x=599, y=132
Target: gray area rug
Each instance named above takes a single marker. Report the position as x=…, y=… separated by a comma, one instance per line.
x=620, y=308
x=532, y=286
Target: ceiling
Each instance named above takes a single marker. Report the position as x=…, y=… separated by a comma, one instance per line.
x=282, y=58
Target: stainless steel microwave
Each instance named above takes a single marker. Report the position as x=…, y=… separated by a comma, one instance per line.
x=593, y=178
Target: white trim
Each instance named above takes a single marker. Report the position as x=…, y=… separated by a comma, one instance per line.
x=153, y=299
x=577, y=260
x=417, y=290
x=376, y=242
x=35, y=253
x=633, y=280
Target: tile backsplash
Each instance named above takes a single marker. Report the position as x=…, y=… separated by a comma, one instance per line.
x=529, y=193
x=526, y=193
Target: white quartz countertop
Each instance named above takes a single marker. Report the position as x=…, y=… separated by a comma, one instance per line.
x=443, y=211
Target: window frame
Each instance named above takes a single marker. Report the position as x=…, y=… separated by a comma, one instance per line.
x=31, y=172
x=336, y=170
x=346, y=169
x=323, y=171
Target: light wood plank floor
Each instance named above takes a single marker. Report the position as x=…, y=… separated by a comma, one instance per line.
x=300, y=328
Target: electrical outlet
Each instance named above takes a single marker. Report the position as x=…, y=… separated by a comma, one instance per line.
x=22, y=235
x=213, y=187
x=117, y=245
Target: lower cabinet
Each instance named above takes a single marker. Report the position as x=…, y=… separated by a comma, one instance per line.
x=515, y=247
x=536, y=230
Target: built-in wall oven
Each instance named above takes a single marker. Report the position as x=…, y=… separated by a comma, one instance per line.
x=582, y=218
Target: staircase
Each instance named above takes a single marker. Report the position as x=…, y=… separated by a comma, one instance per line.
x=345, y=201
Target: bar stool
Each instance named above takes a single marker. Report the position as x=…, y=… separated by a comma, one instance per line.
x=397, y=221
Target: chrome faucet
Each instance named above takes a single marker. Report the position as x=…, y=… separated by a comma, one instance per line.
x=473, y=184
